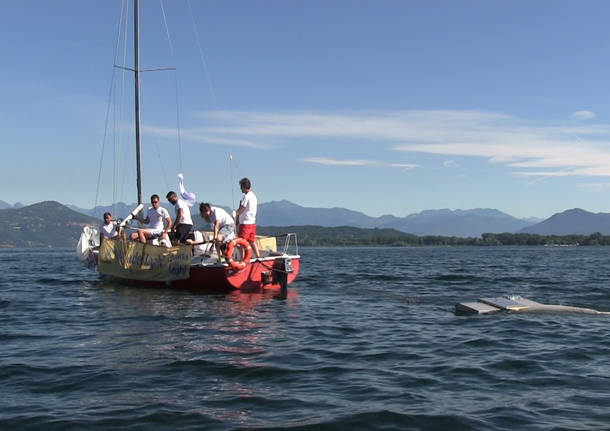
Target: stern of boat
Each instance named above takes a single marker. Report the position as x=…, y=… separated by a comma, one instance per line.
x=88, y=246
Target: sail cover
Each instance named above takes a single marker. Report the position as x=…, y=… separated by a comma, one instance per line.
x=137, y=261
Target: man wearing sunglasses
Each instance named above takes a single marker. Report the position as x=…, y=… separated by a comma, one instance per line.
x=154, y=219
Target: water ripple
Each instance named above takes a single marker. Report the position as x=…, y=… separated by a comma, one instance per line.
x=366, y=340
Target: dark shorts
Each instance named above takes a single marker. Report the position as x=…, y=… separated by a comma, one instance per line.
x=182, y=231
x=247, y=232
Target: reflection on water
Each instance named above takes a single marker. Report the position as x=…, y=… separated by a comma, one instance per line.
x=366, y=336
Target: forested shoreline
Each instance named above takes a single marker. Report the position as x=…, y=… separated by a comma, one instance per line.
x=351, y=236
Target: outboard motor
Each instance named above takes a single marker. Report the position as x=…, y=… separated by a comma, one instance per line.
x=281, y=269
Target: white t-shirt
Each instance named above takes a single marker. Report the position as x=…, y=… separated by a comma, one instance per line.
x=186, y=212
x=250, y=203
x=222, y=216
x=109, y=230
x=156, y=217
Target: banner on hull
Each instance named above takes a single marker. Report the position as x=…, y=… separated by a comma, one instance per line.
x=137, y=261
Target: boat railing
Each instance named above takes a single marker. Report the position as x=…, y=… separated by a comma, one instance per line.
x=290, y=241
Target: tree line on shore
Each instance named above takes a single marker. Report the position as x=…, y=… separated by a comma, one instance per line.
x=351, y=236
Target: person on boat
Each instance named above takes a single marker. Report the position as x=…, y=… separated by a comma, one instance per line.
x=246, y=215
x=154, y=219
x=109, y=228
x=183, y=224
x=223, y=223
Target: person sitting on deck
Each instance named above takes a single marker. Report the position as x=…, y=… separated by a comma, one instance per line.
x=183, y=224
x=223, y=223
x=109, y=228
x=154, y=218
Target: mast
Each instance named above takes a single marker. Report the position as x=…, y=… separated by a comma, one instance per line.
x=136, y=54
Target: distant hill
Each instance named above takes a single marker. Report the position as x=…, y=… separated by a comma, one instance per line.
x=50, y=224
x=341, y=235
x=573, y=221
x=121, y=210
x=45, y=224
x=285, y=213
x=6, y=205
x=462, y=223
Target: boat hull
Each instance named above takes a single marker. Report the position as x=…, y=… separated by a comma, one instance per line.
x=260, y=274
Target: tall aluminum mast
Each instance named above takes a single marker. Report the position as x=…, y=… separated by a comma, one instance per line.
x=136, y=53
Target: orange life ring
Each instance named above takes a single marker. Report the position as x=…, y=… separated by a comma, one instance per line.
x=238, y=264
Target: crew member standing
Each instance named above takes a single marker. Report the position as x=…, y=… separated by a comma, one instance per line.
x=246, y=215
x=183, y=223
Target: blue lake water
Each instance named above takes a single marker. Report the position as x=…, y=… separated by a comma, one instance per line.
x=367, y=339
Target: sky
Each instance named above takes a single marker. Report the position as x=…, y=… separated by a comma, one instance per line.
x=379, y=106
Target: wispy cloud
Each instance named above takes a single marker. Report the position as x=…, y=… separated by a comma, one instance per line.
x=600, y=187
x=528, y=148
x=356, y=162
x=204, y=136
x=583, y=115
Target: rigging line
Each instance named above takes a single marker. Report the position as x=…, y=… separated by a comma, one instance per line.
x=171, y=51
x=232, y=184
x=239, y=171
x=169, y=39
x=161, y=165
x=234, y=163
x=201, y=56
x=108, y=105
x=178, y=121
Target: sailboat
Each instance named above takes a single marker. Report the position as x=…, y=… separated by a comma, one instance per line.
x=186, y=266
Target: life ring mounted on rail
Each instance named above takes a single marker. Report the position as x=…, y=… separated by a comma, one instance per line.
x=246, y=254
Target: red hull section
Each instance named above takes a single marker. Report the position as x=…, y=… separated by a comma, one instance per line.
x=260, y=274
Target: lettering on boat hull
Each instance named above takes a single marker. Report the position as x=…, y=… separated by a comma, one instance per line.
x=137, y=261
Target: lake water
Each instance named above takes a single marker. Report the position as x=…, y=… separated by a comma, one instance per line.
x=367, y=339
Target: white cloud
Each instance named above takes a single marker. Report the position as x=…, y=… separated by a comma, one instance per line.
x=583, y=115
x=334, y=162
x=599, y=187
x=529, y=148
x=356, y=162
x=203, y=136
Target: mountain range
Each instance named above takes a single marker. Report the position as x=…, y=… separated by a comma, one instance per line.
x=444, y=222
x=45, y=224
x=573, y=221
x=51, y=223
x=6, y=205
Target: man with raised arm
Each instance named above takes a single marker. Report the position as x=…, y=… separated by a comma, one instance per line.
x=183, y=224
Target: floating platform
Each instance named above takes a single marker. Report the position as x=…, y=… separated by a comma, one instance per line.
x=496, y=304
x=516, y=303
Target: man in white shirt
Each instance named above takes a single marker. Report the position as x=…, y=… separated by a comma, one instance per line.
x=183, y=224
x=109, y=228
x=222, y=222
x=154, y=219
x=246, y=215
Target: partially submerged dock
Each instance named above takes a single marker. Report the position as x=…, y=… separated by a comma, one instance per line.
x=516, y=304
